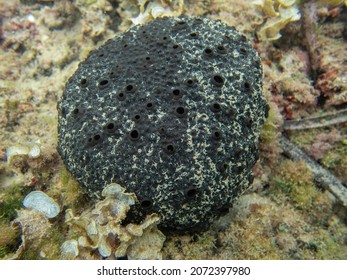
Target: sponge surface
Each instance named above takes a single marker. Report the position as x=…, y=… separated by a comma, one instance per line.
x=170, y=110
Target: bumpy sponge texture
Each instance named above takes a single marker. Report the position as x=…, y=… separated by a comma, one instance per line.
x=171, y=110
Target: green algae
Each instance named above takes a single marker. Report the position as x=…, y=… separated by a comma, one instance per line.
x=270, y=130
x=295, y=181
x=328, y=247
x=71, y=191
x=47, y=248
x=9, y=239
x=8, y=207
x=11, y=200
x=305, y=137
x=336, y=160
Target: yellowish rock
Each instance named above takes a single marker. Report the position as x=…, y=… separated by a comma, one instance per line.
x=148, y=246
x=34, y=227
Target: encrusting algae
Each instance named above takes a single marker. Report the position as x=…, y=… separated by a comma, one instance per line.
x=284, y=215
x=279, y=13
x=101, y=228
x=142, y=11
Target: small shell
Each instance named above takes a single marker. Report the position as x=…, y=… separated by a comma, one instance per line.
x=157, y=10
x=104, y=247
x=33, y=152
x=70, y=248
x=41, y=202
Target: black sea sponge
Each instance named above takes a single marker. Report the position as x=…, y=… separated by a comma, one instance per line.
x=170, y=110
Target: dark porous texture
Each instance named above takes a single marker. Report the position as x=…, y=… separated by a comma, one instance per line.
x=170, y=110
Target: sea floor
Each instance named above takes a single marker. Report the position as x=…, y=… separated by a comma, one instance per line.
x=289, y=212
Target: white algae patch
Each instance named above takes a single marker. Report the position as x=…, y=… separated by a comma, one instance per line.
x=32, y=152
x=41, y=202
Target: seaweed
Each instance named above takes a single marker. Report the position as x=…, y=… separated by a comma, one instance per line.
x=322, y=176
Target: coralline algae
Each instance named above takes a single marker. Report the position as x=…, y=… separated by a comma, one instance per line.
x=101, y=228
x=170, y=110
